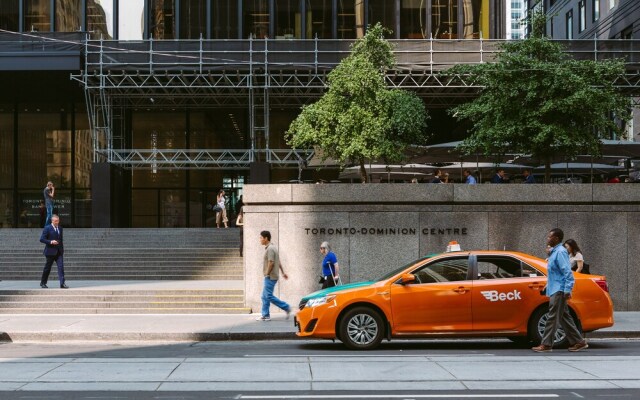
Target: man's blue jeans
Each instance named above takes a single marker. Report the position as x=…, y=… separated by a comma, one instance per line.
x=49, y=213
x=268, y=297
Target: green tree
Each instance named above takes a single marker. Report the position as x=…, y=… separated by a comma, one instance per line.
x=536, y=100
x=358, y=118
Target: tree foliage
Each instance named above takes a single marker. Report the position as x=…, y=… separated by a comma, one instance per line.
x=358, y=118
x=536, y=100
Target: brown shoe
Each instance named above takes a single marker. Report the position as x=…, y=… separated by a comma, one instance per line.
x=542, y=349
x=579, y=346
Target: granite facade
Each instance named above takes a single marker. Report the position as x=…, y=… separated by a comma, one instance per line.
x=376, y=228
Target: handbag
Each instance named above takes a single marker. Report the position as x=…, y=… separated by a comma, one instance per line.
x=585, y=268
x=216, y=208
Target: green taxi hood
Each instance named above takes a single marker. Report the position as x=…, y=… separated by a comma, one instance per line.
x=324, y=292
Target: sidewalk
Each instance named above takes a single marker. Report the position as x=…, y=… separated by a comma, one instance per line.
x=192, y=327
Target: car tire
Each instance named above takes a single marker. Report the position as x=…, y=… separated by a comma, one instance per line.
x=361, y=328
x=538, y=322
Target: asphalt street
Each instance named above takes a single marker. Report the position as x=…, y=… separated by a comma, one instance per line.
x=317, y=370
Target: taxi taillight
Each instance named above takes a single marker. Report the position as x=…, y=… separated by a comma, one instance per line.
x=603, y=284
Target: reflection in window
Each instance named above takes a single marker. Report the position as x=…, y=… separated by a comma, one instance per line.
x=256, y=18
x=595, y=4
x=496, y=268
x=162, y=19
x=67, y=15
x=225, y=19
x=444, y=19
x=382, y=11
x=9, y=15
x=193, y=19
x=319, y=23
x=413, y=19
x=582, y=15
x=287, y=21
x=476, y=19
x=569, y=19
x=100, y=19
x=350, y=19
x=130, y=20
x=37, y=15
x=450, y=270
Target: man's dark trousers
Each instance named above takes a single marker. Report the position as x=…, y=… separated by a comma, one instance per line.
x=47, y=268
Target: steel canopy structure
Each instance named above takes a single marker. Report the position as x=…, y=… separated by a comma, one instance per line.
x=263, y=73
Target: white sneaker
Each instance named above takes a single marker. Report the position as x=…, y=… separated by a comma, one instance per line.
x=288, y=314
x=263, y=319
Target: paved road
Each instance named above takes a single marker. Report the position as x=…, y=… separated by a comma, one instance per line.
x=299, y=369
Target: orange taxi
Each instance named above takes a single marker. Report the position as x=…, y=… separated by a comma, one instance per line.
x=472, y=293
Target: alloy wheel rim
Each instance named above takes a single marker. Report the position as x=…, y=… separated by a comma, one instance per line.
x=362, y=329
x=542, y=323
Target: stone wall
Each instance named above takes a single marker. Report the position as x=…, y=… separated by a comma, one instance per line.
x=374, y=228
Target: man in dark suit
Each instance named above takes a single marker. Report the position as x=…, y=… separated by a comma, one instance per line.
x=53, y=251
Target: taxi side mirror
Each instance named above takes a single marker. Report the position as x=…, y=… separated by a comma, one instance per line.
x=407, y=278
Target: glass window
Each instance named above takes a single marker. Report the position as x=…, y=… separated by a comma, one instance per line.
x=595, y=5
x=9, y=10
x=131, y=20
x=612, y=3
x=6, y=209
x=67, y=15
x=319, y=21
x=37, y=15
x=498, y=267
x=224, y=19
x=6, y=148
x=162, y=19
x=193, y=19
x=100, y=19
x=569, y=33
x=382, y=11
x=83, y=151
x=287, y=23
x=413, y=19
x=256, y=18
x=444, y=19
x=350, y=19
x=476, y=19
x=582, y=11
x=449, y=270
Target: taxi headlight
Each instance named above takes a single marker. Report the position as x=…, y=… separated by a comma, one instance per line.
x=319, y=301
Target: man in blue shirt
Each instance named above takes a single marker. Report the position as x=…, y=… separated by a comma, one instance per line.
x=471, y=180
x=330, y=267
x=560, y=282
x=528, y=178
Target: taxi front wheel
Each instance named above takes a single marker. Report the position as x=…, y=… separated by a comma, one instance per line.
x=361, y=328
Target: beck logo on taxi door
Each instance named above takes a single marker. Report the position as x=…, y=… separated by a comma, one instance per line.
x=494, y=295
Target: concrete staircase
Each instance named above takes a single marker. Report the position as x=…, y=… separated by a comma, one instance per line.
x=145, y=271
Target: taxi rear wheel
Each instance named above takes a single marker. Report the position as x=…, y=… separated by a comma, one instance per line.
x=361, y=328
x=539, y=322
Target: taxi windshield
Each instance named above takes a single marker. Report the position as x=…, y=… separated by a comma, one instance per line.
x=398, y=270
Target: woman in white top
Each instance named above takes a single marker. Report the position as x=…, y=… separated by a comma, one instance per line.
x=575, y=255
x=221, y=216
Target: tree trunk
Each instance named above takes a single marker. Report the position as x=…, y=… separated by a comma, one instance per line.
x=363, y=172
x=547, y=170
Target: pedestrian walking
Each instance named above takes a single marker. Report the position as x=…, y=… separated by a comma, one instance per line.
x=469, y=178
x=576, y=259
x=560, y=283
x=53, y=251
x=330, y=268
x=528, y=178
x=49, y=193
x=270, y=270
x=240, y=225
x=221, y=215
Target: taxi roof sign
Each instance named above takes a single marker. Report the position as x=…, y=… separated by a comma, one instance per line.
x=453, y=246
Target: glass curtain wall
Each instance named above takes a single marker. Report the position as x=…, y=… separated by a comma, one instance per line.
x=224, y=19
x=100, y=19
x=444, y=19
x=319, y=19
x=37, y=15
x=131, y=20
x=475, y=15
x=287, y=19
x=255, y=18
x=68, y=15
x=413, y=19
x=83, y=159
x=162, y=22
x=6, y=166
x=350, y=19
x=9, y=15
x=193, y=19
x=383, y=11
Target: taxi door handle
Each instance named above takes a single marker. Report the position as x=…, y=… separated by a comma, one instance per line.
x=461, y=289
x=536, y=285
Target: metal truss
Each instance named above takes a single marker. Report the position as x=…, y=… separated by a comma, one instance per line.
x=163, y=159
x=260, y=74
